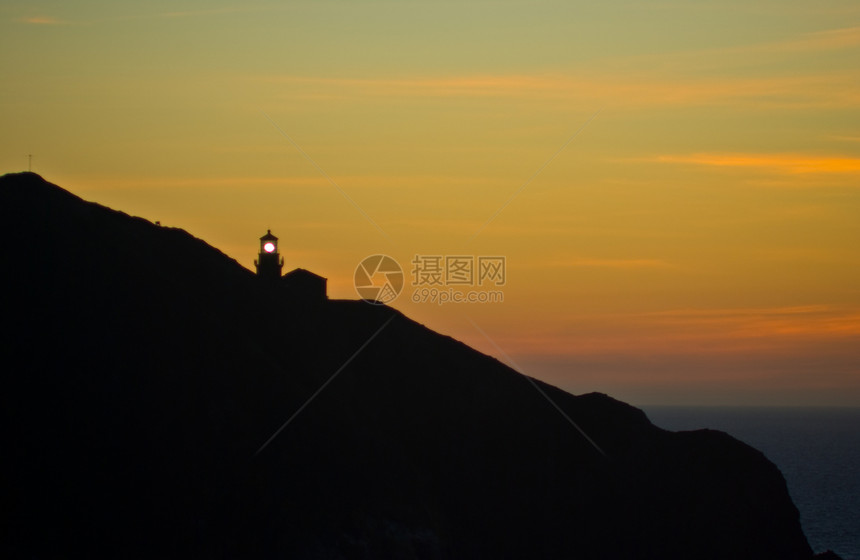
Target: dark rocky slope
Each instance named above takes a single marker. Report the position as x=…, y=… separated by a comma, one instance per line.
x=142, y=370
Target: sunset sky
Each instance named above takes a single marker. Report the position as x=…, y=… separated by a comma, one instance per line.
x=675, y=185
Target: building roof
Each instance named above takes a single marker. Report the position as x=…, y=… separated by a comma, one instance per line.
x=268, y=236
x=302, y=273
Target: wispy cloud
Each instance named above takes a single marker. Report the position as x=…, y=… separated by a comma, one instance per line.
x=830, y=39
x=425, y=86
x=49, y=20
x=835, y=89
x=43, y=20
x=845, y=138
x=210, y=11
x=728, y=57
x=239, y=182
x=779, y=163
x=609, y=263
x=806, y=320
x=701, y=332
x=665, y=79
x=632, y=81
x=244, y=182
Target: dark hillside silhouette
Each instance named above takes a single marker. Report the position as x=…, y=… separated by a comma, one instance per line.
x=144, y=369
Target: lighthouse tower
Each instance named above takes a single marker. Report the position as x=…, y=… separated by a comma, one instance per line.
x=269, y=263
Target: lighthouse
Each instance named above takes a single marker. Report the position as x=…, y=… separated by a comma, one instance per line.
x=269, y=263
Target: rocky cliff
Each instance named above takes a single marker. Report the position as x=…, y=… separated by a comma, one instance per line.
x=143, y=370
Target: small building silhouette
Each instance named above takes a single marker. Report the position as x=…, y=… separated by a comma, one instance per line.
x=299, y=283
x=305, y=283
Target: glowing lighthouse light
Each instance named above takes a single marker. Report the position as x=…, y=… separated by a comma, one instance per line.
x=269, y=263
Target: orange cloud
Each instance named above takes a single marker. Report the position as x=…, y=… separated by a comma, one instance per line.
x=823, y=90
x=120, y=183
x=213, y=11
x=781, y=163
x=738, y=56
x=315, y=180
x=830, y=39
x=695, y=332
x=445, y=86
x=627, y=85
x=609, y=263
x=43, y=20
x=809, y=320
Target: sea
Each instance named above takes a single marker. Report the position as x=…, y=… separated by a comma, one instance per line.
x=817, y=450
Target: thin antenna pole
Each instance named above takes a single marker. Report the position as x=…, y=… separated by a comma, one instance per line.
x=30, y=162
